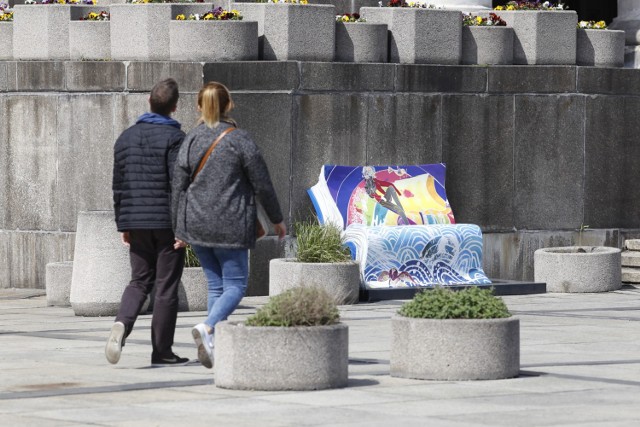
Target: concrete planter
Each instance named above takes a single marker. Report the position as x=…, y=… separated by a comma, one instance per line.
x=58, y=283
x=543, y=37
x=101, y=268
x=455, y=349
x=193, y=290
x=210, y=41
x=293, y=31
x=361, y=42
x=487, y=45
x=600, y=48
x=6, y=35
x=147, y=29
x=280, y=358
x=420, y=36
x=341, y=279
x=89, y=40
x=41, y=31
x=597, y=269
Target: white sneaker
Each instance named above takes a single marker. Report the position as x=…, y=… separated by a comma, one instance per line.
x=204, y=341
x=113, y=348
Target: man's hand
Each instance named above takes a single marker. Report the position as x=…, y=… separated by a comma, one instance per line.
x=125, y=238
x=281, y=230
x=179, y=244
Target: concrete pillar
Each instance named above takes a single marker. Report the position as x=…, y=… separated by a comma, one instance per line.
x=628, y=20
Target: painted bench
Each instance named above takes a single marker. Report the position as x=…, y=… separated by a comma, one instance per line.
x=398, y=223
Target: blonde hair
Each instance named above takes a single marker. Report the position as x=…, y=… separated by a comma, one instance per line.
x=215, y=104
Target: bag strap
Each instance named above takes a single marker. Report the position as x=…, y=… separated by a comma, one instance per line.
x=206, y=156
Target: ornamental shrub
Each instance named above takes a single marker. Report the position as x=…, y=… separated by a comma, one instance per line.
x=320, y=243
x=301, y=306
x=441, y=303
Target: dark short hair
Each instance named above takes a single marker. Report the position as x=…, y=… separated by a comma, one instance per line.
x=164, y=97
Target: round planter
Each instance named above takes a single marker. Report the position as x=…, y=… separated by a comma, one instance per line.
x=486, y=45
x=600, y=48
x=58, y=283
x=6, y=35
x=209, y=41
x=340, y=279
x=89, y=40
x=192, y=292
x=101, y=268
x=361, y=42
x=455, y=349
x=597, y=269
x=280, y=358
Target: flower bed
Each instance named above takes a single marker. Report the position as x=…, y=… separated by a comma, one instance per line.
x=420, y=35
x=486, y=41
x=359, y=41
x=290, y=31
x=598, y=46
x=216, y=35
x=90, y=36
x=534, y=24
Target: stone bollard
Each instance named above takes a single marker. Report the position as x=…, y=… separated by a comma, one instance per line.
x=58, y=283
x=101, y=268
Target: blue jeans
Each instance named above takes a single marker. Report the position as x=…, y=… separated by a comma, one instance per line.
x=227, y=271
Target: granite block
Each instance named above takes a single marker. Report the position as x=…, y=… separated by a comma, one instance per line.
x=89, y=40
x=532, y=79
x=99, y=76
x=324, y=76
x=207, y=41
x=487, y=45
x=141, y=76
x=361, y=42
x=609, y=81
x=262, y=75
x=441, y=78
x=32, y=76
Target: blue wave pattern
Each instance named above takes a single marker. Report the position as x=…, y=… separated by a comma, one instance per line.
x=417, y=255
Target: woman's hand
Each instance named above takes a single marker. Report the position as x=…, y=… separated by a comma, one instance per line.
x=281, y=230
x=179, y=244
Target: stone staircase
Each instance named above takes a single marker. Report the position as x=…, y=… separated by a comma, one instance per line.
x=631, y=262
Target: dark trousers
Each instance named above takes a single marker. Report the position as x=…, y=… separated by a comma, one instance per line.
x=154, y=264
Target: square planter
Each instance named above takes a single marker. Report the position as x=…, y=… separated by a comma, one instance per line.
x=89, y=40
x=487, y=45
x=600, y=48
x=210, y=41
x=361, y=42
x=293, y=31
x=545, y=37
x=420, y=36
x=6, y=35
x=147, y=29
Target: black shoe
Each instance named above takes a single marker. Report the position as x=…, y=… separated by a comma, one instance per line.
x=174, y=359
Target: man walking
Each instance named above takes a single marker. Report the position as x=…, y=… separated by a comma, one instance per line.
x=144, y=156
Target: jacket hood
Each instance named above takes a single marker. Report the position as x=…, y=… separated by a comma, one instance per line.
x=158, y=119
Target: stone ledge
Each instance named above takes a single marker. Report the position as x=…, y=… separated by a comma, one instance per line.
x=532, y=79
x=608, y=81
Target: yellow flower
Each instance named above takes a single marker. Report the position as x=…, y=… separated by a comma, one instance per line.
x=303, y=2
x=345, y=18
x=62, y=1
x=511, y=7
x=93, y=15
x=235, y=12
x=181, y=17
x=479, y=19
x=208, y=17
x=499, y=7
x=601, y=24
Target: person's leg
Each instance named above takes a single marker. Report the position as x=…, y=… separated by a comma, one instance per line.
x=169, y=266
x=212, y=272
x=235, y=268
x=142, y=258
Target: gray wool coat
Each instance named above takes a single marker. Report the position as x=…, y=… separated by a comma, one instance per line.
x=218, y=209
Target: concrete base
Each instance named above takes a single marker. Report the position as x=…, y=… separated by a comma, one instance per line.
x=272, y=358
x=487, y=45
x=455, y=349
x=597, y=269
x=101, y=268
x=600, y=48
x=58, y=283
x=341, y=279
x=361, y=42
x=193, y=290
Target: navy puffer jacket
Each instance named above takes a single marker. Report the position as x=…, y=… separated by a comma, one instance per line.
x=144, y=156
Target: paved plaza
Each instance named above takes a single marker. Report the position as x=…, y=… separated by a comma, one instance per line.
x=580, y=366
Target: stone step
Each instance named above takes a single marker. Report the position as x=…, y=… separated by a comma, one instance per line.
x=632, y=244
x=630, y=275
x=631, y=258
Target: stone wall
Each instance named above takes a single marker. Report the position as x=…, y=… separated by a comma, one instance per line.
x=533, y=152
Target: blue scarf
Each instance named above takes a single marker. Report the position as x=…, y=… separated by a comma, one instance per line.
x=158, y=119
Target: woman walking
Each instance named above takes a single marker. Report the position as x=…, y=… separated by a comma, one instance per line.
x=219, y=175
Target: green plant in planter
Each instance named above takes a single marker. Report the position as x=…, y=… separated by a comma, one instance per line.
x=320, y=243
x=190, y=259
x=442, y=303
x=301, y=306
